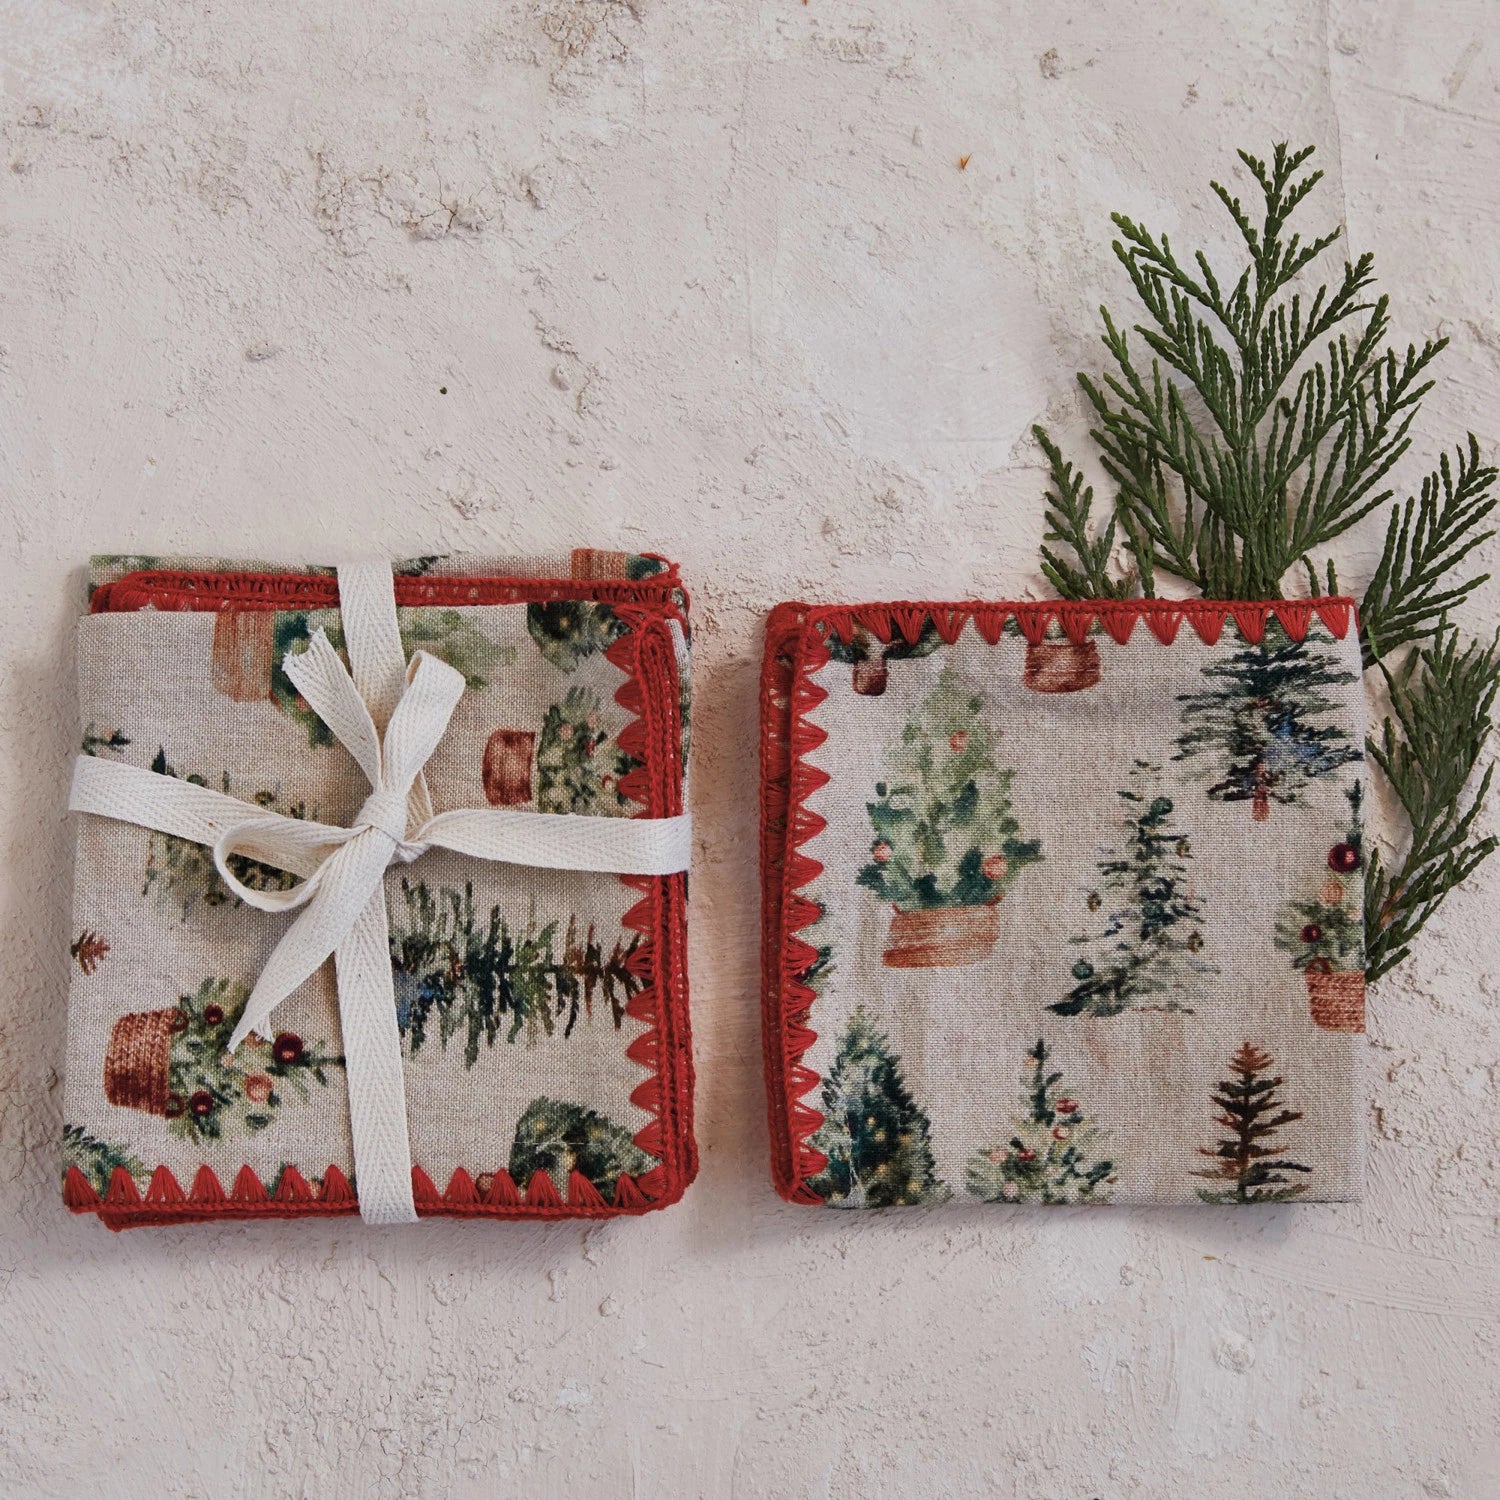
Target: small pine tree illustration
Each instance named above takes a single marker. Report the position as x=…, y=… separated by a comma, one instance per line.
x=183, y=872
x=560, y=1139
x=945, y=830
x=1259, y=722
x=1326, y=932
x=480, y=977
x=1153, y=930
x=579, y=768
x=1051, y=1155
x=876, y=1138
x=566, y=631
x=97, y=1159
x=1250, y=1166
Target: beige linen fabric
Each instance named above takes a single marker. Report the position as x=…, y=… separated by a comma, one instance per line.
x=154, y=923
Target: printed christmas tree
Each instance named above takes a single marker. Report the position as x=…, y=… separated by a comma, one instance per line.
x=213, y=1094
x=877, y=1140
x=561, y=1139
x=1325, y=933
x=1247, y=1161
x=480, y=977
x=567, y=631
x=1051, y=1155
x=579, y=768
x=1259, y=723
x=1146, y=953
x=945, y=829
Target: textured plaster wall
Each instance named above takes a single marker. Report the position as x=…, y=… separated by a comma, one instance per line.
x=703, y=277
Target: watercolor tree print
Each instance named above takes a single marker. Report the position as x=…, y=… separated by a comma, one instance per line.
x=1051, y=1155
x=1146, y=953
x=174, y=1063
x=579, y=768
x=946, y=846
x=1325, y=932
x=876, y=1138
x=560, y=1139
x=1259, y=723
x=1247, y=1160
x=478, y=977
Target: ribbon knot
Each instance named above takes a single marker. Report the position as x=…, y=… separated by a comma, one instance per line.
x=341, y=895
x=384, y=810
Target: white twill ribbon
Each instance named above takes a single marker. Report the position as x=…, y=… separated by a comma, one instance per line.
x=390, y=716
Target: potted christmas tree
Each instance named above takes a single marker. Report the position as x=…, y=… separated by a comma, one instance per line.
x=1325, y=933
x=1260, y=722
x=1061, y=666
x=1051, y=1154
x=1246, y=1160
x=864, y=653
x=174, y=1063
x=1153, y=927
x=945, y=849
x=579, y=769
x=876, y=1138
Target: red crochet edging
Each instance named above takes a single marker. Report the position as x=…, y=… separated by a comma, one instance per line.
x=123, y=1207
x=1076, y=618
x=796, y=637
x=176, y=590
x=646, y=654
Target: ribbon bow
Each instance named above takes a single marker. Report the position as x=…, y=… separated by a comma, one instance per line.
x=341, y=895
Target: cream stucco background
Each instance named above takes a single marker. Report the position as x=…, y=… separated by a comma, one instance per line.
x=513, y=274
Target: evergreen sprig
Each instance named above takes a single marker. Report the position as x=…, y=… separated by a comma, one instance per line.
x=1413, y=588
x=1442, y=700
x=1264, y=428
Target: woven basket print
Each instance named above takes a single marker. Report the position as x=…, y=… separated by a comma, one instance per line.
x=543, y=1013
x=1064, y=904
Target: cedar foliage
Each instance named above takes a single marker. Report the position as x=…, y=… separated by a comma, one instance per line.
x=1264, y=428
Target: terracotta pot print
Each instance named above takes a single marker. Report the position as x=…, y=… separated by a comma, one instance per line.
x=592, y=566
x=1336, y=997
x=138, y=1061
x=1061, y=666
x=242, y=658
x=941, y=936
x=870, y=677
x=507, y=767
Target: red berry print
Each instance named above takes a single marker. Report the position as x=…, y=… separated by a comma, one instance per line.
x=287, y=1047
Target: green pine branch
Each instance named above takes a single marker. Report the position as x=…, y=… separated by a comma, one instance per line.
x=1442, y=700
x=1426, y=539
x=1262, y=426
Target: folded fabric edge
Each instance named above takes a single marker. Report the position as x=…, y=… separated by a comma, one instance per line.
x=792, y=648
x=597, y=577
